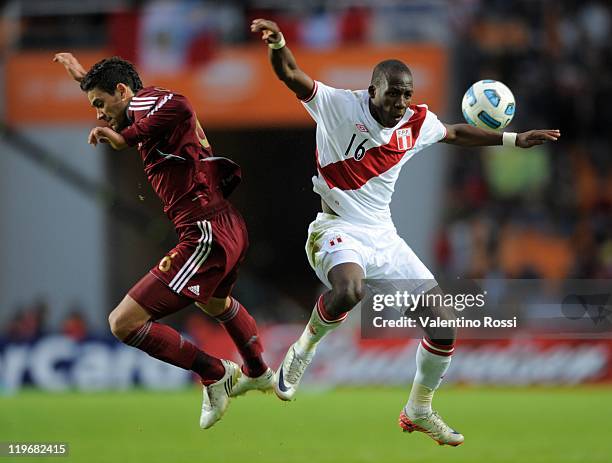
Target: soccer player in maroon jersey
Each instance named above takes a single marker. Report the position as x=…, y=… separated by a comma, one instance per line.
x=193, y=186
x=363, y=139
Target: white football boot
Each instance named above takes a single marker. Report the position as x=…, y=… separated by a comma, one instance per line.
x=290, y=373
x=216, y=396
x=263, y=383
x=432, y=425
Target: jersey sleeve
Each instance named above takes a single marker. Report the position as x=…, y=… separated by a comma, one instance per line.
x=433, y=130
x=169, y=111
x=328, y=106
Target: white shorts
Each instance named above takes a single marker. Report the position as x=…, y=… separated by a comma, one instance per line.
x=379, y=250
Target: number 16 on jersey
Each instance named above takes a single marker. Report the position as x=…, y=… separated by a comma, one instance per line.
x=360, y=150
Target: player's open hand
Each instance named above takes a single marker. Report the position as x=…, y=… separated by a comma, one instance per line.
x=536, y=137
x=106, y=135
x=270, y=32
x=72, y=65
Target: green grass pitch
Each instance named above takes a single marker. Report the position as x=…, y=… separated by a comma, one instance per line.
x=346, y=425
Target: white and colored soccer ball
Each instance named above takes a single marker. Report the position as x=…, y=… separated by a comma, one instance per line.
x=488, y=104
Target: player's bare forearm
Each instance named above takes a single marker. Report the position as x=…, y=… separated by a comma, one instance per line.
x=468, y=135
x=282, y=60
x=287, y=70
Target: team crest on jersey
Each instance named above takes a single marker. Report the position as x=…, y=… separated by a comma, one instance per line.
x=404, y=139
x=361, y=127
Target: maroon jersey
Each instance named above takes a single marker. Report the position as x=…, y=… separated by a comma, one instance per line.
x=191, y=183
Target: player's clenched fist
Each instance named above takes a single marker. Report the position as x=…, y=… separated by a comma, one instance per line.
x=270, y=32
x=95, y=137
x=72, y=65
x=106, y=135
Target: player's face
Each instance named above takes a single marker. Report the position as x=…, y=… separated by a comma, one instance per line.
x=111, y=108
x=392, y=98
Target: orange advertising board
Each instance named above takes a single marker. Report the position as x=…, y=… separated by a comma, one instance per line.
x=236, y=88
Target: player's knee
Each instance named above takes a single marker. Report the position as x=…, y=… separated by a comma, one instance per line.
x=348, y=294
x=115, y=325
x=215, y=306
x=444, y=337
x=121, y=326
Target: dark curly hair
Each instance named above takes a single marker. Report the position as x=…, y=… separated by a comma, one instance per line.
x=109, y=72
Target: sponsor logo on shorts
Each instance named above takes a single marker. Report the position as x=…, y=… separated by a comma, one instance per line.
x=195, y=289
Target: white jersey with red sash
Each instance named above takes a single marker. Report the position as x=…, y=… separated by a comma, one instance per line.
x=358, y=160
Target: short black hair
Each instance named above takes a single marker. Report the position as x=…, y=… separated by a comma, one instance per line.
x=109, y=72
x=384, y=69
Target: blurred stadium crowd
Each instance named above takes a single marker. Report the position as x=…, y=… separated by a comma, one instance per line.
x=543, y=213
x=29, y=323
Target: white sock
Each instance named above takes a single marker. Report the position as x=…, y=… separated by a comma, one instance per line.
x=432, y=362
x=318, y=326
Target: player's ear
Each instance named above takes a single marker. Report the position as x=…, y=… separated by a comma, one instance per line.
x=372, y=91
x=124, y=91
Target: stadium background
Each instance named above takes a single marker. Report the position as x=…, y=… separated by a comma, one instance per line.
x=79, y=225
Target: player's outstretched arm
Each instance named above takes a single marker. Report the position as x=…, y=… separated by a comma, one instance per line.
x=282, y=59
x=468, y=135
x=72, y=65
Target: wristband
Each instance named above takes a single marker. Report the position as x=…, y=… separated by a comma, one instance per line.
x=509, y=138
x=278, y=45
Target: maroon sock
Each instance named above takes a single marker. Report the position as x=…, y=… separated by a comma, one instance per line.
x=166, y=344
x=243, y=330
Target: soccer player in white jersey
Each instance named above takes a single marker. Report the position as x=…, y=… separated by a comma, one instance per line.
x=363, y=139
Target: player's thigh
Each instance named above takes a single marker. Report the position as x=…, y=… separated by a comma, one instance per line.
x=232, y=236
x=157, y=298
x=221, y=300
x=206, y=259
x=332, y=243
x=434, y=305
x=435, y=309
x=416, y=278
x=346, y=278
x=397, y=261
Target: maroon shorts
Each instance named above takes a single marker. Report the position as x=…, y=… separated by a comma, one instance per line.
x=203, y=264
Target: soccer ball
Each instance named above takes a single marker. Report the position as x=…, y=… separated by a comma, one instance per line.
x=488, y=104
